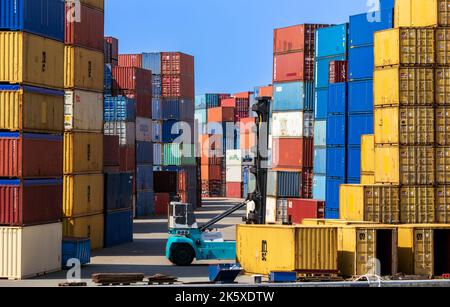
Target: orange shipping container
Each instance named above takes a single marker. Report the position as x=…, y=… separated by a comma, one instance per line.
x=221, y=115
x=248, y=141
x=266, y=91
x=228, y=102
x=211, y=172
x=297, y=66
x=295, y=153
x=243, y=95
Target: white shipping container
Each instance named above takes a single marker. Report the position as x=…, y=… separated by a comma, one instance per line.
x=83, y=111
x=271, y=210
x=30, y=251
x=287, y=124
x=234, y=173
x=125, y=131
x=234, y=157
x=143, y=129
x=157, y=154
x=157, y=131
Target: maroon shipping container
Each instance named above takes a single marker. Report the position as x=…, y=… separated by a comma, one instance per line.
x=234, y=189
x=178, y=86
x=111, y=150
x=111, y=169
x=293, y=153
x=30, y=202
x=127, y=159
x=114, y=43
x=228, y=102
x=130, y=60
x=181, y=181
x=300, y=209
x=240, y=114
x=162, y=201
x=296, y=38
x=87, y=32
x=296, y=66
x=177, y=63
x=338, y=72
x=165, y=182
x=131, y=78
x=31, y=155
x=143, y=99
x=307, y=183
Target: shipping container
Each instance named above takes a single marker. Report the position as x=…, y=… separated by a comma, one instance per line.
x=119, y=108
x=286, y=248
x=32, y=60
x=234, y=190
x=156, y=86
x=144, y=152
x=418, y=205
x=83, y=69
x=145, y=203
x=83, y=111
x=321, y=77
x=83, y=153
x=171, y=109
x=362, y=28
x=338, y=72
x=111, y=151
x=320, y=160
x=292, y=153
x=98, y=4
x=118, y=228
x=91, y=227
x=143, y=129
x=234, y=174
x=321, y=104
x=113, y=46
x=300, y=209
x=162, y=201
x=127, y=159
x=284, y=184
x=30, y=251
x=378, y=203
x=152, y=61
x=125, y=130
x=187, y=110
x=336, y=130
x=320, y=133
x=132, y=78
x=30, y=202
x=419, y=13
x=337, y=98
x=442, y=85
x=295, y=38
x=360, y=96
x=331, y=41
x=442, y=43
x=293, y=66
x=368, y=153
x=31, y=109
x=263, y=91
x=333, y=192
x=293, y=96
x=221, y=115
x=172, y=154
x=130, y=60
x=143, y=99
x=144, y=177
x=291, y=124
x=157, y=154
x=358, y=125
x=76, y=248
x=442, y=165
x=118, y=191
x=336, y=162
x=177, y=63
x=361, y=62
x=83, y=195
x=442, y=206
x=442, y=126
x=354, y=163
x=171, y=131
x=178, y=86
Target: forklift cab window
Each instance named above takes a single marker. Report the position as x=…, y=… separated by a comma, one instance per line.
x=183, y=214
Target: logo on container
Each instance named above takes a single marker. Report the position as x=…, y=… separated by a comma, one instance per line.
x=373, y=14
x=73, y=11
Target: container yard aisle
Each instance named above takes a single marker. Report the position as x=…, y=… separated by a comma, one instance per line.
x=146, y=253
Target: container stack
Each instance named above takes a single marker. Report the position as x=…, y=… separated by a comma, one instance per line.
x=31, y=141
x=83, y=204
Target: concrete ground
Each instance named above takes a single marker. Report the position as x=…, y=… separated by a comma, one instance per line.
x=147, y=253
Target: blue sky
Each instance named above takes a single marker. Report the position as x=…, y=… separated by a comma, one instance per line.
x=230, y=39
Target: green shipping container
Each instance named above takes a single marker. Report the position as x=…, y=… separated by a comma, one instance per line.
x=172, y=155
x=188, y=155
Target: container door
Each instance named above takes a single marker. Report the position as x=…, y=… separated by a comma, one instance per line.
x=423, y=252
x=366, y=251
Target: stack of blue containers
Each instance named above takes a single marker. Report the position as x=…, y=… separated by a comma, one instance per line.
x=361, y=67
x=331, y=45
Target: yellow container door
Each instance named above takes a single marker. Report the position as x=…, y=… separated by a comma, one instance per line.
x=424, y=252
x=86, y=227
x=351, y=204
x=83, y=69
x=368, y=154
x=83, y=153
x=416, y=13
x=83, y=195
x=443, y=204
x=418, y=205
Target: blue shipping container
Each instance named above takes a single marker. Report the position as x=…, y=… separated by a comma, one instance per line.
x=144, y=152
x=363, y=26
x=293, y=96
x=156, y=109
x=354, y=162
x=361, y=62
x=171, y=131
x=320, y=133
x=171, y=109
x=118, y=228
x=333, y=188
x=76, y=248
x=336, y=130
x=145, y=203
x=152, y=61
x=118, y=109
x=320, y=160
x=118, y=191
x=41, y=17
x=360, y=96
x=284, y=184
x=107, y=81
x=332, y=214
x=332, y=41
x=144, y=177
x=156, y=86
x=336, y=162
x=359, y=124
x=321, y=104
x=353, y=180
x=319, y=187
x=323, y=70
x=337, y=98
x=387, y=4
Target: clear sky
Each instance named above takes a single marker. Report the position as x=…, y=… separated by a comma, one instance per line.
x=230, y=39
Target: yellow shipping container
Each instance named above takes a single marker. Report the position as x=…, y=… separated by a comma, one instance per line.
x=424, y=249
x=367, y=249
x=86, y=227
x=404, y=125
x=368, y=153
x=442, y=46
x=83, y=111
x=404, y=86
x=405, y=165
x=83, y=153
x=99, y=4
x=421, y=13
x=405, y=46
x=31, y=59
x=262, y=249
x=31, y=109
x=443, y=86
x=83, y=195
x=443, y=126
x=83, y=69
x=375, y=203
x=443, y=165
x=418, y=204
x=367, y=178
x=332, y=222
x=443, y=204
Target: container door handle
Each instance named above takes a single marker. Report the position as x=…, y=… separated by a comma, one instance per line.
x=90, y=69
x=44, y=61
x=89, y=194
x=89, y=152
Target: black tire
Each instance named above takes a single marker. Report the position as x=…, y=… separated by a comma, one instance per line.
x=182, y=255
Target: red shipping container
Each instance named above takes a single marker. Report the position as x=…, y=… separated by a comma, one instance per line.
x=111, y=150
x=86, y=32
x=143, y=99
x=132, y=78
x=162, y=201
x=114, y=43
x=130, y=60
x=296, y=66
x=212, y=172
x=307, y=183
x=165, y=182
x=295, y=38
x=127, y=159
x=177, y=63
x=266, y=91
x=221, y=115
x=240, y=115
x=30, y=202
x=337, y=72
x=178, y=86
x=228, y=102
x=300, y=209
x=293, y=153
x=243, y=95
x=29, y=155
x=234, y=189
x=182, y=181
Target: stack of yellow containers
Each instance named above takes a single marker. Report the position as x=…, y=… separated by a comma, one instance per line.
x=83, y=204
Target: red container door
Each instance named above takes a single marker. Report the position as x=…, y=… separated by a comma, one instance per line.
x=130, y=60
x=162, y=201
x=234, y=189
x=111, y=150
x=289, y=67
x=300, y=209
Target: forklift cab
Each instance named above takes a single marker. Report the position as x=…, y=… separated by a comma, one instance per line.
x=181, y=216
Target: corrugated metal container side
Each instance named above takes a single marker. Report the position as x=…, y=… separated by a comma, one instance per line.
x=362, y=28
x=287, y=124
x=322, y=73
x=293, y=96
x=284, y=184
x=360, y=62
x=152, y=61
x=360, y=96
x=111, y=151
x=107, y=79
x=337, y=162
x=144, y=152
x=293, y=153
x=83, y=69
x=177, y=63
x=336, y=130
x=91, y=227
x=118, y=228
x=156, y=86
x=145, y=203
x=172, y=154
x=83, y=153
x=30, y=155
x=143, y=129
x=83, y=195
x=18, y=62
x=331, y=41
x=78, y=248
x=321, y=104
x=125, y=130
x=332, y=193
x=337, y=98
x=127, y=159
x=87, y=31
x=295, y=38
x=130, y=60
x=157, y=154
x=119, y=109
x=233, y=174
x=178, y=86
x=320, y=160
x=418, y=205
x=300, y=209
x=31, y=109
x=132, y=78
x=118, y=191
x=359, y=124
x=144, y=177
x=41, y=17
x=171, y=109
x=30, y=202
x=156, y=108
x=293, y=66
x=157, y=131
x=30, y=251
x=332, y=214
x=83, y=111
x=320, y=133
x=354, y=162
x=187, y=110
x=171, y=131
x=319, y=187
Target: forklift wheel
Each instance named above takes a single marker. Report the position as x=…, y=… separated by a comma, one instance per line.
x=182, y=255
